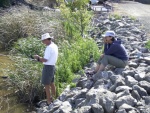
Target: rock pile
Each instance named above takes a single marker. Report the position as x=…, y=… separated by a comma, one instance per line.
x=116, y=90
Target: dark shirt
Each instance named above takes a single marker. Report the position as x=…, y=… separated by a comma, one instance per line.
x=116, y=49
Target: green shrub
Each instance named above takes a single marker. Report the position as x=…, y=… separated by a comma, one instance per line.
x=72, y=58
x=148, y=44
x=25, y=78
x=4, y=3
x=28, y=47
x=76, y=18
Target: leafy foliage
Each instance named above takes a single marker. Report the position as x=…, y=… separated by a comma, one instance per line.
x=148, y=44
x=72, y=57
x=76, y=18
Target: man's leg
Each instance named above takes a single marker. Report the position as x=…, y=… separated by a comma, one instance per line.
x=53, y=90
x=48, y=94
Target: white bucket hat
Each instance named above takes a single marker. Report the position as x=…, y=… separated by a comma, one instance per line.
x=109, y=33
x=46, y=36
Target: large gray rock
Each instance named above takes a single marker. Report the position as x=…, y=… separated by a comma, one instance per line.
x=126, y=107
x=129, y=72
x=133, y=64
x=100, y=75
x=139, y=76
x=122, y=88
x=147, y=70
x=67, y=94
x=96, y=108
x=147, y=60
x=121, y=111
x=125, y=100
x=108, y=105
x=141, y=91
x=130, y=81
x=116, y=78
x=145, y=85
x=123, y=93
x=79, y=101
x=147, y=100
x=83, y=109
x=103, y=97
x=65, y=107
x=53, y=107
x=84, y=83
x=135, y=95
x=147, y=77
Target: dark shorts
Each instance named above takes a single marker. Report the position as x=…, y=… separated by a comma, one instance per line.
x=48, y=74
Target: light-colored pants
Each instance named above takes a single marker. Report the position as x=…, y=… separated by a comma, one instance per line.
x=107, y=59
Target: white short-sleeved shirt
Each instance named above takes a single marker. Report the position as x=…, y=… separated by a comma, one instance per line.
x=51, y=54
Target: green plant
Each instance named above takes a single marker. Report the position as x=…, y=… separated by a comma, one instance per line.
x=28, y=47
x=76, y=18
x=72, y=58
x=25, y=78
x=148, y=44
x=4, y=3
x=116, y=16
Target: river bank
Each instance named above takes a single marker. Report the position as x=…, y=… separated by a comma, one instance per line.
x=8, y=101
x=115, y=90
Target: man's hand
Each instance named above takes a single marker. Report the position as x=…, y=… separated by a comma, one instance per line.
x=36, y=56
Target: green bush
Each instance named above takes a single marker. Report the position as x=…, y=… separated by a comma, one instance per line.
x=76, y=18
x=4, y=3
x=148, y=44
x=72, y=58
x=25, y=78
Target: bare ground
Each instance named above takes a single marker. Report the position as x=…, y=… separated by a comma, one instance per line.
x=135, y=9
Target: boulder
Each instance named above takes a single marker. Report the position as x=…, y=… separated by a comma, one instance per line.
x=129, y=100
x=130, y=81
x=141, y=91
x=96, y=108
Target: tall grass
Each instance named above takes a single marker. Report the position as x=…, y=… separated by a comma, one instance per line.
x=22, y=22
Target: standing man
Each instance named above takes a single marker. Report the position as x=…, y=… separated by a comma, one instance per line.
x=49, y=60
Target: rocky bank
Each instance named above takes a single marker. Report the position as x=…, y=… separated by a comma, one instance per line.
x=115, y=90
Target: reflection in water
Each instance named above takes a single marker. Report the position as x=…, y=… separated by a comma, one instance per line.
x=8, y=102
